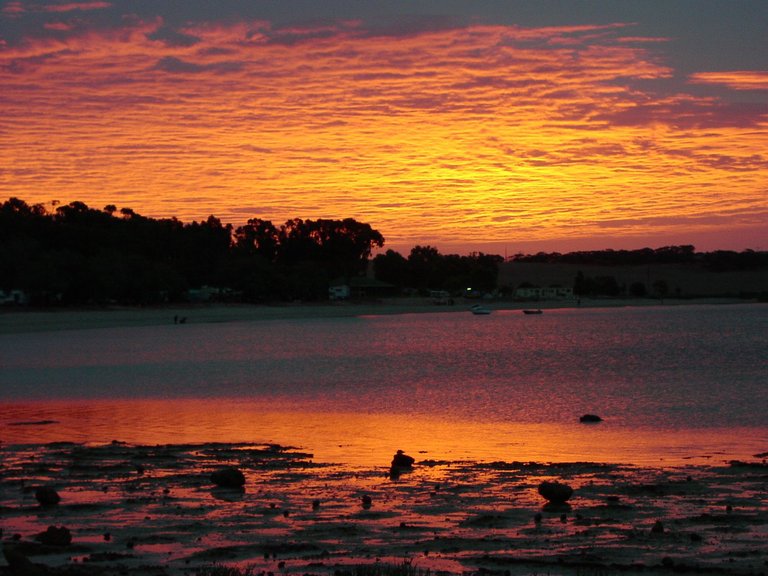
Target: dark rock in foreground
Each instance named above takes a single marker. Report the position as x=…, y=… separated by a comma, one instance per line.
x=402, y=460
x=47, y=496
x=20, y=565
x=590, y=418
x=555, y=492
x=55, y=536
x=228, y=478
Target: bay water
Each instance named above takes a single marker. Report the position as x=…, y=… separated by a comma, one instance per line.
x=671, y=383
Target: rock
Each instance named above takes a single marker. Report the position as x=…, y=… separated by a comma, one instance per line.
x=55, y=536
x=47, y=496
x=228, y=478
x=402, y=460
x=555, y=492
x=20, y=565
x=658, y=528
x=590, y=418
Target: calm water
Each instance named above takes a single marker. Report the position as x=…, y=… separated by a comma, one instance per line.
x=670, y=382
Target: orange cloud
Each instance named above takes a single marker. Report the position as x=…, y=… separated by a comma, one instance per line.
x=442, y=136
x=737, y=80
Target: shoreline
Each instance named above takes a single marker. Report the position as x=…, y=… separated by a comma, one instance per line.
x=17, y=321
x=136, y=505
x=137, y=509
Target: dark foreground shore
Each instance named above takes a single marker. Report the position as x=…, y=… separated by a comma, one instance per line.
x=130, y=510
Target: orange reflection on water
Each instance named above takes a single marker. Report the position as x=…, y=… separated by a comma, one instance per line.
x=366, y=440
x=159, y=503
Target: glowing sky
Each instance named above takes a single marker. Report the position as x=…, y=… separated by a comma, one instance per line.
x=461, y=124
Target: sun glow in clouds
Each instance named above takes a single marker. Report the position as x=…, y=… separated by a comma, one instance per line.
x=444, y=136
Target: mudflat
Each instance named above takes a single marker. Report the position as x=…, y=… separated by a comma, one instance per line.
x=132, y=509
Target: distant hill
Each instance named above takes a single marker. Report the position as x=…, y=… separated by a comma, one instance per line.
x=684, y=280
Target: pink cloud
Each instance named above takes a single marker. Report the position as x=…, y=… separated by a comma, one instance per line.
x=58, y=26
x=686, y=113
x=76, y=6
x=13, y=9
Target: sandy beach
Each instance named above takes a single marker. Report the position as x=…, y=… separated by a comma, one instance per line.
x=16, y=320
x=156, y=510
x=34, y=320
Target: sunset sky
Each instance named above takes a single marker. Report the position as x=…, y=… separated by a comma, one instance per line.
x=499, y=126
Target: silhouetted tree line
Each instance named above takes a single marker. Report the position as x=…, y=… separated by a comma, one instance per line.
x=426, y=269
x=80, y=255
x=719, y=260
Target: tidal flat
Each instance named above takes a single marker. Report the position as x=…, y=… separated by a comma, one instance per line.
x=140, y=509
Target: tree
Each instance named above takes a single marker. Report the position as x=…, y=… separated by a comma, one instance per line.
x=425, y=268
x=391, y=267
x=661, y=288
x=258, y=237
x=341, y=246
x=580, y=287
x=637, y=290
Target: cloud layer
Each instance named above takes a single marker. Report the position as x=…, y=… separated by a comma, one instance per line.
x=441, y=134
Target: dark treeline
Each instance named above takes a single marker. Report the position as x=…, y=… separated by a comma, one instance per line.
x=719, y=260
x=426, y=269
x=79, y=255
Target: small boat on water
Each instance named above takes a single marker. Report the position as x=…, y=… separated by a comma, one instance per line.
x=537, y=311
x=479, y=309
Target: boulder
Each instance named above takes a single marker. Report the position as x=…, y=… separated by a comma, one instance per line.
x=555, y=492
x=47, y=496
x=55, y=536
x=402, y=460
x=20, y=565
x=590, y=418
x=228, y=478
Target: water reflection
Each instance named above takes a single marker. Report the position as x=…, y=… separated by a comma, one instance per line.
x=669, y=382
x=368, y=440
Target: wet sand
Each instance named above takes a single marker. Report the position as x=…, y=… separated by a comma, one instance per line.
x=16, y=320
x=155, y=510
